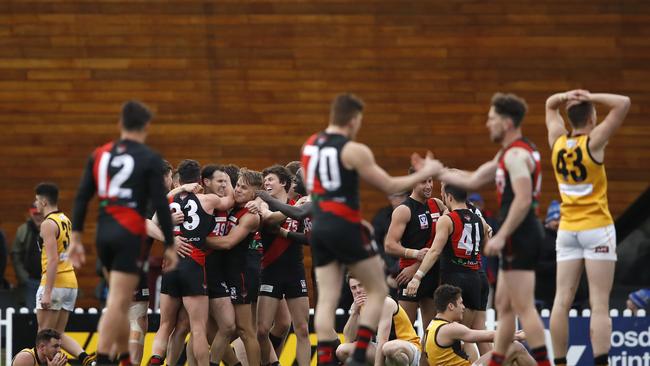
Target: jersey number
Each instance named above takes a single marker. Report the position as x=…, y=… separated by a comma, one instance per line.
x=328, y=169
x=466, y=241
x=112, y=187
x=579, y=171
x=193, y=219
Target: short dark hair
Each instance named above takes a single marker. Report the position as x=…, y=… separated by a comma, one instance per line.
x=251, y=177
x=445, y=295
x=48, y=190
x=293, y=166
x=510, y=105
x=189, y=171
x=135, y=115
x=46, y=334
x=344, y=108
x=459, y=194
x=579, y=113
x=166, y=167
x=233, y=172
x=208, y=171
x=283, y=174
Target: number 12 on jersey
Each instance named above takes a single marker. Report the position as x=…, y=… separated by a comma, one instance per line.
x=111, y=187
x=329, y=174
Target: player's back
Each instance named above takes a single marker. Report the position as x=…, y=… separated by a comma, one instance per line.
x=122, y=171
x=334, y=188
x=463, y=245
x=582, y=183
x=197, y=224
x=65, y=276
x=505, y=192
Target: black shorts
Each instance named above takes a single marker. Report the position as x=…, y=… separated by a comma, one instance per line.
x=428, y=286
x=283, y=284
x=216, y=276
x=335, y=239
x=523, y=247
x=142, y=292
x=117, y=248
x=252, y=273
x=239, y=289
x=470, y=282
x=188, y=279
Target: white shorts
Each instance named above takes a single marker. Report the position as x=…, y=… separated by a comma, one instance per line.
x=595, y=244
x=62, y=298
x=416, y=354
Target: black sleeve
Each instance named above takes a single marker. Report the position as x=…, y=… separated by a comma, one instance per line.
x=298, y=238
x=158, y=198
x=85, y=193
x=295, y=212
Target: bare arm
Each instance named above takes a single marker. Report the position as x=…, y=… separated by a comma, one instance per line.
x=218, y=203
x=554, y=121
x=456, y=331
x=383, y=328
x=153, y=231
x=247, y=224
x=392, y=242
x=618, y=107
x=359, y=157
x=472, y=180
x=444, y=227
x=352, y=325
x=49, y=231
x=516, y=161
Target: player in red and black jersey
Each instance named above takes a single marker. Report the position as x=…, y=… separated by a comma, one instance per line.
x=457, y=243
x=187, y=285
x=516, y=170
x=126, y=175
x=333, y=163
x=283, y=273
x=409, y=237
x=242, y=225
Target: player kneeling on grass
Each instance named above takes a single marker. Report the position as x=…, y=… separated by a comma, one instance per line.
x=397, y=341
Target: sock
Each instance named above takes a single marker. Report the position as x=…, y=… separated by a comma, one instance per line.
x=82, y=357
x=364, y=335
x=156, y=360
x=275, y=340
x=103, y=360
x=560, y=361
x=326, y=351
x=541, y=356
x=496, y=360
x=602, y=359
x=124, y=359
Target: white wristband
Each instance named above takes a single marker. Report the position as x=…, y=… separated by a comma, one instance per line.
x=419, y=274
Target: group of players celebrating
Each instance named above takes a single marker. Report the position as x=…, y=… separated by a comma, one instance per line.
x=233, y=263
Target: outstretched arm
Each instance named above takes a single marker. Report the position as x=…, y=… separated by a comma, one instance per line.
x=471, y=180
x=358, y=156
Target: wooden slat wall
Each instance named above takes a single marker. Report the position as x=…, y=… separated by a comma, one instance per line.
x=247, y=81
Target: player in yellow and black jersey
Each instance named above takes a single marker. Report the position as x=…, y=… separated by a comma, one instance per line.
x=56, y=295
x=586, y=237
